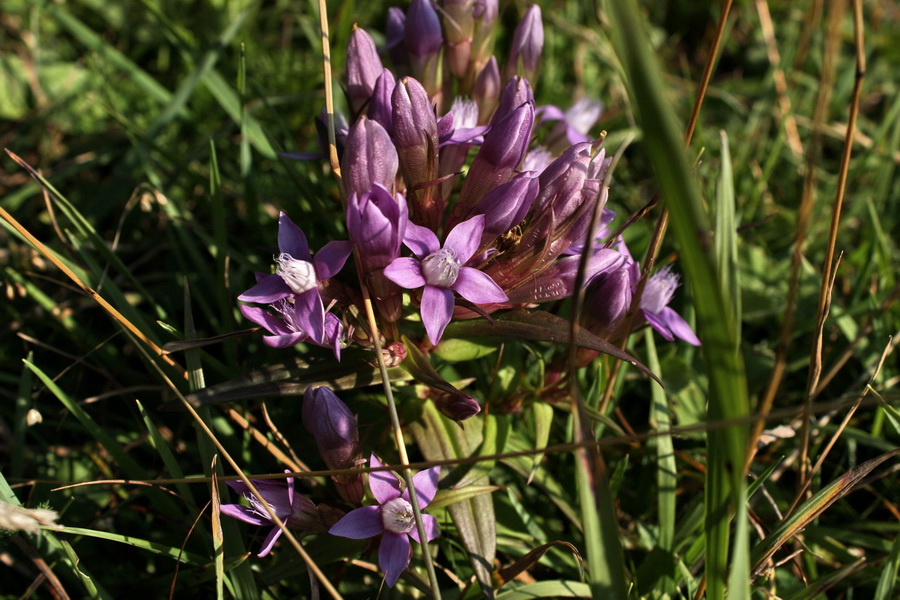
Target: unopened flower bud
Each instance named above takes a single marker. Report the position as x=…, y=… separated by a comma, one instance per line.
x=369, y=158
x=459, y=28
x=516, y=93
x=527, y=44
x=506, y=205
x=458, y=406
x=395, y=30
x=485, y=13
x=416, y=140
x=363, y=68
x=332, y=425
x=486, y=91
x=497, y=160
x=381, y=108
x=377, y=221
x=608, y=299
x=394, y=354
x=424, y=40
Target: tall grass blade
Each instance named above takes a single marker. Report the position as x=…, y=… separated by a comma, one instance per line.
x=725, y=489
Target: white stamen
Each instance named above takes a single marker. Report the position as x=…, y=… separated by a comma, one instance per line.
x=299, y=275
x=441, y=268
x=397, y=516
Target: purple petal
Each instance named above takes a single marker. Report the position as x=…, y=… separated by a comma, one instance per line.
x=549, y=112
x=678, y=326
x=384, y=485
x=437, y=308
x=426, y=486
x=261, y=316
x=291, y=239
x=243, y=513
x=478, y=287
x=393, y=556
x=659, y=324
x=285, y=340
x=431, y=529
x=334, y=330
x=360, y=523
x=420, y=240
x=405, y=272
x=466, y=237
x=331, y=258
x=270, y=288
x=309, y=313
x=269, y=542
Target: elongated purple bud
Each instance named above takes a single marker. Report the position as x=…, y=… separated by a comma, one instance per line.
x=458, y=406
x=608, y=299
x=380, y=105
x=517, y=92
x=395, y=30
x=424, y=41
x=459, y=29
x=564, y=177
x=485, y=13
x=334, y=429
x=377, y=222
x=332, y=425
x=416, y=140
x=527, y=44
x=506, y=205
x=369, y=158
x=363, y=68
x=486, y=91
x=496, y=162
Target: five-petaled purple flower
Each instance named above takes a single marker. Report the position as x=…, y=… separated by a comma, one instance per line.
x=393, y=517
x=297, y=278
x=294, y=510
x=441, y=271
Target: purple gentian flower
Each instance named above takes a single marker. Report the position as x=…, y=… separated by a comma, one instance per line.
x=298, y=276
x=294, y=510
x=392, y=517
x=654, y=304
x=441, y=271
x=286, y=329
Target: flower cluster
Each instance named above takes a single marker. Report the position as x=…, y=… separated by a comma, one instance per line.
x=462, y=197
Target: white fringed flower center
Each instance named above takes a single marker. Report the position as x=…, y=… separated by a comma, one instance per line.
x=299, y=275
x=397, y=516
x=441, y=268
x=659, y=291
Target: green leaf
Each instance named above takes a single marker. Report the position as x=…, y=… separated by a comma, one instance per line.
x=446, y=498
x=545, y=589
x=811, y=509
x=542, y=412
x=456, y=350
x=538, y=326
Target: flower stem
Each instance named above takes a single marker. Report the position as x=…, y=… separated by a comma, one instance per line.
x=401, y=444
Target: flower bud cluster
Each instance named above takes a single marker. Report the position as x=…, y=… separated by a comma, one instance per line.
x=463, y=211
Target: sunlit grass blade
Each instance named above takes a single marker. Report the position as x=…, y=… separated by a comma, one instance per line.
x=666, y=477
x=811, y=509
x=725, y=489
x=887, y=581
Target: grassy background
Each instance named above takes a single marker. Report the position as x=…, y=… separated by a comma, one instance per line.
x=160, y=123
